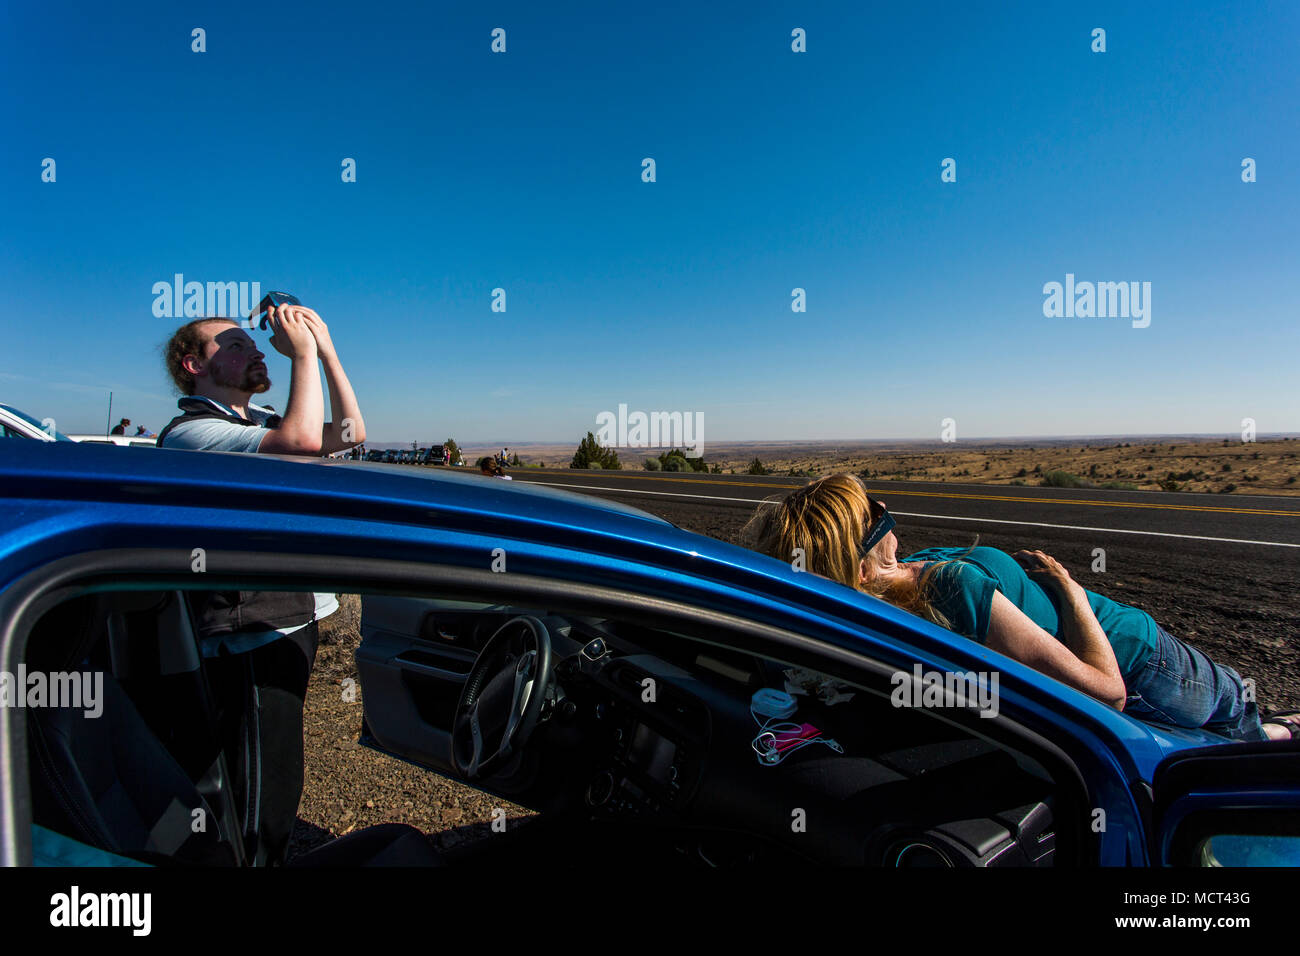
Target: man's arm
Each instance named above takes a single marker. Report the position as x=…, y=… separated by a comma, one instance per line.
x=346, y=427
x=300, y=430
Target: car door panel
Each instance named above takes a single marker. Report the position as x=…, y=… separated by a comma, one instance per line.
x=414, y=657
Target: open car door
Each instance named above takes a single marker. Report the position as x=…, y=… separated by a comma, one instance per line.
x=1235, y=805
x=415, y=657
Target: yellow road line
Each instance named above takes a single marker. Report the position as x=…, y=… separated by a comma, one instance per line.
x=1152, y=505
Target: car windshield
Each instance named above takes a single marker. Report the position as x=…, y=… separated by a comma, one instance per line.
x=36, y=423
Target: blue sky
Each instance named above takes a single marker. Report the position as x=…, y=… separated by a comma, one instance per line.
x=775, y=170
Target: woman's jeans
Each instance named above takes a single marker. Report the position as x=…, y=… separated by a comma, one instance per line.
x=1181, y=686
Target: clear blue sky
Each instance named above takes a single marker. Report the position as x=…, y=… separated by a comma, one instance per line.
x=775, y=170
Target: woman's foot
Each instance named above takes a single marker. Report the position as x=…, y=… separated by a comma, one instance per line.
x=1284, y=726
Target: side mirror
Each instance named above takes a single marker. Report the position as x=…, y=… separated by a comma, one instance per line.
x=1255, y=849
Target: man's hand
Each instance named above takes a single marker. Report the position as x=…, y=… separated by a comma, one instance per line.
x=324, y=344
x=292, y=336
x=1046, y=570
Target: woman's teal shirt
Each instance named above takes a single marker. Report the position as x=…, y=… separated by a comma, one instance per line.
x=963, y=591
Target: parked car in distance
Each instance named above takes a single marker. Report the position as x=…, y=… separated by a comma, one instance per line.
x=375, y=454
x=15, y=423
x=129, y=441
x=392, y=456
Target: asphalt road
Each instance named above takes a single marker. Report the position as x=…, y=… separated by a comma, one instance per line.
x=1206, y=523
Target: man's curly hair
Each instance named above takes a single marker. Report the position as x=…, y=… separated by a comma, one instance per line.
x=187, y=340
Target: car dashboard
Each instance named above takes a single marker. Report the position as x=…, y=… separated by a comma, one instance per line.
x=653, y=731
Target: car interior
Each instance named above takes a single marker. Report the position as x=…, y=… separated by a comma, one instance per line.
x=628, y=738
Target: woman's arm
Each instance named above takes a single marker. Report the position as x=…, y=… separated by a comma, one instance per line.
x=1085, y=660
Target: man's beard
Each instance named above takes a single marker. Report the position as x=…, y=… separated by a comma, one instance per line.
x=253, y=381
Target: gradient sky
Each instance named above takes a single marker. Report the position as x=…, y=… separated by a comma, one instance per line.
x=775, y=170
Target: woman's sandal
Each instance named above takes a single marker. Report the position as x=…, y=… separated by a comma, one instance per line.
x=1289, y=719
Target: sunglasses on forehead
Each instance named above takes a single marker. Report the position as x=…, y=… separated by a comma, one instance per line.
x=882, y=522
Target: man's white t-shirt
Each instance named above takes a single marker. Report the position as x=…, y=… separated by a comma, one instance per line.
x=213, y=434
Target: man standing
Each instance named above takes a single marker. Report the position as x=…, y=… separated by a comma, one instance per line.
x=259, y=646
x=218, y=368
x=120, y=427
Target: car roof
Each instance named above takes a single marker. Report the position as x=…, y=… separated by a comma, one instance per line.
x=73, y=463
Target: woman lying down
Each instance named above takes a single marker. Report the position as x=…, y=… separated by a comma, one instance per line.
x=1024, y=605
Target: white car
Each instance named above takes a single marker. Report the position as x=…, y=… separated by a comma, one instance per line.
x=18, y=424
x=128, y=440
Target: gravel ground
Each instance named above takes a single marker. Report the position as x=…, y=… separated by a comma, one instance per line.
x=348, y=786
x=1241, y=612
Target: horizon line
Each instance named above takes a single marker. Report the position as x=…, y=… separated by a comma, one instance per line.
x=522, y=443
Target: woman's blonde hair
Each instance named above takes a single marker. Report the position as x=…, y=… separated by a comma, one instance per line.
x=828, y=519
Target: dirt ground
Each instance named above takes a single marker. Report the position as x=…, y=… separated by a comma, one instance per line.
x=1243, y=616
x=1269, y=466
x=348, y=786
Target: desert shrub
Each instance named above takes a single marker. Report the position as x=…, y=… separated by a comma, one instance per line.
x=676, y=463
x=591, y=452
x=756, y=467
x=1018, y=481
x=1120, y=486
x=595, y=466
x=1063, y=479
x=691, y=464
x=653, y=464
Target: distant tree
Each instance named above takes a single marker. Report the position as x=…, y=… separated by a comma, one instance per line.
x=688, y=464
x=514, y=461
x=756, y=467
x=454, y=449
x=591, y=452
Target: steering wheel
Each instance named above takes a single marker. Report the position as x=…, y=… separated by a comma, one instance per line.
x=502, y=699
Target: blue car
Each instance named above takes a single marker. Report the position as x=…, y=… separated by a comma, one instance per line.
x=647, y=690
